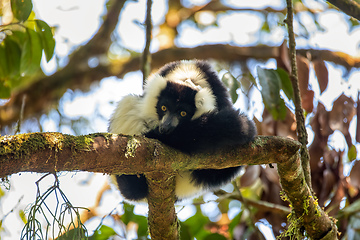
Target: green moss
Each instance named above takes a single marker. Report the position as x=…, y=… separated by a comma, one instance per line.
x=79, y=143
x=294, y=229
x=24, y=144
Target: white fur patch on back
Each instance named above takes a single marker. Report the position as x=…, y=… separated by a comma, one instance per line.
x=188, y=70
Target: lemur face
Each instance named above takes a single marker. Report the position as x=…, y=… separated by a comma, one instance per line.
x=176, y=105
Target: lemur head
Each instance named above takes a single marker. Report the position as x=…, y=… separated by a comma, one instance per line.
x=171, y=99
x=176, y=104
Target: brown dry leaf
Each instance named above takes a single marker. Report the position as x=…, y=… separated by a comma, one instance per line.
x=303, y=73
x=283, y=61
x=322, y=74
x=307, y=100
x=341, y=114
x=320, y=125
x=323, y=118
x=355, y=175
x=328, y=184
x=358, y=119
x=251, y=174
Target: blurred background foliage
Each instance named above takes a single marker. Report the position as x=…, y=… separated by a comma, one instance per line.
x=72, y=87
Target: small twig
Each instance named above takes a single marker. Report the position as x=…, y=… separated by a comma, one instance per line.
x=300, y=120
x=146, y=57
x=259, y=204
x=21, y=118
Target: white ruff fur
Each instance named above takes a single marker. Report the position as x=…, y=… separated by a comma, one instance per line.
x=188, y=70
x=126, y=118
x=154, y=85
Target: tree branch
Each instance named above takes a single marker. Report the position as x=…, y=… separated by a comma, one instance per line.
x=310, y=215
x=43, y=93
x=316, y=222
x=349, y=7
x=115, y=154
x=146, y=56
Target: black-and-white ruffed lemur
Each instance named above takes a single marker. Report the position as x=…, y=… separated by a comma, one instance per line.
x=185, y=106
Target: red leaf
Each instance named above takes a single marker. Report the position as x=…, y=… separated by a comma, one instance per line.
x=283, y=61
x=303, y=73
x=322, y=74
x=354, y=175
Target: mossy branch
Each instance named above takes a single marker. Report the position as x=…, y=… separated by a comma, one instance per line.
x=114, y=154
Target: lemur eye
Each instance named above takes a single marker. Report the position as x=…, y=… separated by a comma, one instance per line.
x=183, y=113
x=163, y=108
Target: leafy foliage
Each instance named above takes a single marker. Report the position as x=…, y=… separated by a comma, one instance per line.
x=271, y=84
x=21, y=49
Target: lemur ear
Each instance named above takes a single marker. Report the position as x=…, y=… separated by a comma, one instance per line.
x=205, y=102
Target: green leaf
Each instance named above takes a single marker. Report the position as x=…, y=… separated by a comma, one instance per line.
x=185, y=232
x=103, y=233
x=5, y=90
x=270, y=91
x=18, y=36
x=231, y=82
x=4, y=69
x=353, y=23
x=13, y=53
x=128, y=213
x=215, y=236
x=75, y=233
x=286, y=85
x=352, y=153
x=47, y=38
x=141, y=221
x=21, y=9
x=31, y=53
x=234, y=222
x=265, y=27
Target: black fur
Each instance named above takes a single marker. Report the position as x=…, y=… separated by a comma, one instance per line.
x=217, y=87
x=221, y=129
